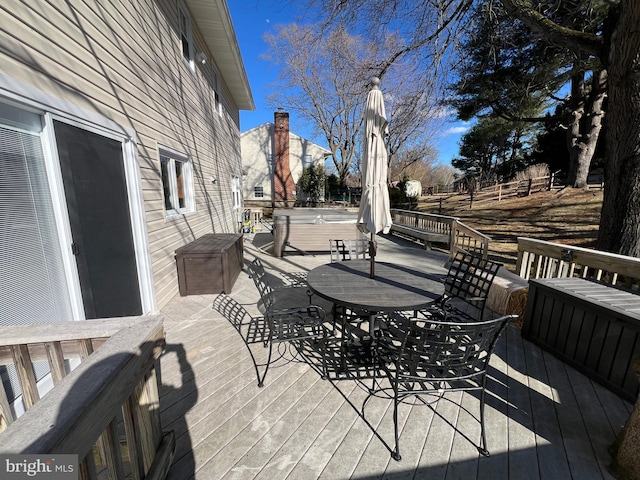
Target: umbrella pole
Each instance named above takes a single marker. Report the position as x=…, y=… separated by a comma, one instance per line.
x=372, y=256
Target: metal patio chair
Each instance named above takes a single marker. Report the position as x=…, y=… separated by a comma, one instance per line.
x=290, y=324
x=431, y=357
x=468, y=280
x=350, y=249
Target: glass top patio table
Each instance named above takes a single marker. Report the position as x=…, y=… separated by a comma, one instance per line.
x=394, y=288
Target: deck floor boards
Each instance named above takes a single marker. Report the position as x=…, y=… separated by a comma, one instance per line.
x=543, y=418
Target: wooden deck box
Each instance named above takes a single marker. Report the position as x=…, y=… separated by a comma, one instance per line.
x=591, y=326
x=210, y=264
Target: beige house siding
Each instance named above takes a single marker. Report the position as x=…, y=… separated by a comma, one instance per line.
x=257, y=157
x=120, y=62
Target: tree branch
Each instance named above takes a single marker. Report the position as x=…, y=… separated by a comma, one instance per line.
x=577, y=41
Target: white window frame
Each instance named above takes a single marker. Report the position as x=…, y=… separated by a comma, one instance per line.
x=183, y=13
x=236, y=191
x=216, y=93
x=255, y=191
x=187, y=182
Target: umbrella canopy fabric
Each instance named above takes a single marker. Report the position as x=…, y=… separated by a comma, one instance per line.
x=374, y=215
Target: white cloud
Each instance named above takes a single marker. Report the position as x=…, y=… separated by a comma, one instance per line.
x=443, y=112
x=455, y=130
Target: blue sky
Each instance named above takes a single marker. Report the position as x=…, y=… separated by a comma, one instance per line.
x=251, y=20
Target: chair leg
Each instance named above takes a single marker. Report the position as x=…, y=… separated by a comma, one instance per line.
x=483, y=445
x=396, y=452
x=261, y=379
x=266, y=338
x=324, y=375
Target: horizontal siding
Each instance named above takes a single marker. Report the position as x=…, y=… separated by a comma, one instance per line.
x=122, y=60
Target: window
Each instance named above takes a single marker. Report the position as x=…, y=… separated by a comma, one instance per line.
x=218, y=104
x=216, y=95
x=235, y=191
x=185, y=34
x=176, y=183
x=258, y=191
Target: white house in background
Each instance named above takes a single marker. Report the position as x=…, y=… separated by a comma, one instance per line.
x=119, y=143
x=273, y=160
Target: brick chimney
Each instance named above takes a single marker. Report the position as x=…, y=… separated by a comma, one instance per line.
x=283, y=185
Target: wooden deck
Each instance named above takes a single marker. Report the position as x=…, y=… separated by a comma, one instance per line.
x=544, y=420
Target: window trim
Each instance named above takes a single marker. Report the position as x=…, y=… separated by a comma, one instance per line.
x=187, y=183
x=183, y=12
x=217, y=97
x=236, y=192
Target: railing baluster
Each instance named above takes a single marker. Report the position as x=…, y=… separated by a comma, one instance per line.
x=85, y=348
x=6, y=417
x=110, y=447
x=55, y=358
x=538, y=262
x=87, y=467
x=132, y=439
x=143, y=426
x=154, y=405
x=24, y=368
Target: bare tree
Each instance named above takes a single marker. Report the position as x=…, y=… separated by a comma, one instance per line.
x=323, y=79
x=442, y=176
x=413, y=163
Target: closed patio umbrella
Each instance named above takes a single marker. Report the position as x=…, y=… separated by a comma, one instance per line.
x=374, y=215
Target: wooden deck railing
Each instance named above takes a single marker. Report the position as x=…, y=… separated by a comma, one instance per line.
x=466, y=238
x=540, y=259
x=442, y=228
x=106, y=410
x=438, y=224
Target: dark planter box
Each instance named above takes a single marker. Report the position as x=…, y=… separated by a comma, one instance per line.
x=591, y=326
x=210, y=264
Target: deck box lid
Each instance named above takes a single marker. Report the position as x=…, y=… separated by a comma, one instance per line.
x=209, y=243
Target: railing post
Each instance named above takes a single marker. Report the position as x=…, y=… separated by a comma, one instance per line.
x=454, y=237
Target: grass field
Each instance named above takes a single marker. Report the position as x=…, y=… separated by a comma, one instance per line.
x=567, y=216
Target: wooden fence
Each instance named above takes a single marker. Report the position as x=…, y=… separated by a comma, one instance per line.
x=518, y=188
x=106, y=410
